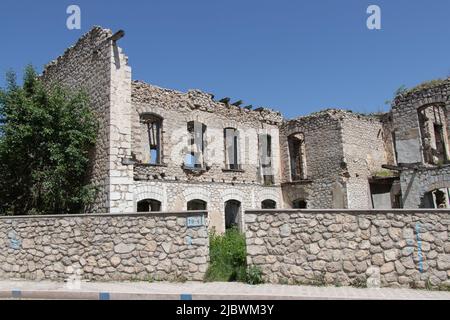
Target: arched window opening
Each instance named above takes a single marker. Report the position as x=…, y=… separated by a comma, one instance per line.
x=196, y=204
x=299, y=204
x=268, y=204
x=437, y=199
x=149, y=205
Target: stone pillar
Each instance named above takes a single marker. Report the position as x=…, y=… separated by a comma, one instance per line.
x=120, y=185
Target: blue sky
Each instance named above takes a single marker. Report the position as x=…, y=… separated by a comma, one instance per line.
x=294, y=56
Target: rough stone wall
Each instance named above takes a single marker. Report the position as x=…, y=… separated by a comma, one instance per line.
x=174, y=196
x=104, y=247
x=406, y=122
x=373, y=248
x=97, y=66
x=174, y=186
x=364, y=154
x=415, y=182
x=324, y=155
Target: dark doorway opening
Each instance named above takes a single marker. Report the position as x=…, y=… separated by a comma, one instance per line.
x=232, y=214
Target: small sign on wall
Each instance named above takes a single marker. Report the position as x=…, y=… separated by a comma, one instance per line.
x=196, y=221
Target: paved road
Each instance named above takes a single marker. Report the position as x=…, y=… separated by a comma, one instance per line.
x=202, y=291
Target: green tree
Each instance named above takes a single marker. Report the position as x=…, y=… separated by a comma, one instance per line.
x=45, y=140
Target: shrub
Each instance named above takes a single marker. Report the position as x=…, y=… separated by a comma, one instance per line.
x=228, y=259
x=254, y=275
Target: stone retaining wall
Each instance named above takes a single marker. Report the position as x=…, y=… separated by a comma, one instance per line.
x=396, y=248
x=150, y=246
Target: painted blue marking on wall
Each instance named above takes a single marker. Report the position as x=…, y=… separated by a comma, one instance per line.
x=104, y=296
x=15, y=244
x=14, y=240
x=189, y=240
x=16, y=293
x=186, y=297
x=419, y=247
x=197, y=221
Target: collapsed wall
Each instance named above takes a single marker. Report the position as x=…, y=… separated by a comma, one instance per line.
x=319, y=180
x=363, y=144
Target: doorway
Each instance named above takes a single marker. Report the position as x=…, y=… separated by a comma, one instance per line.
x=232, y=214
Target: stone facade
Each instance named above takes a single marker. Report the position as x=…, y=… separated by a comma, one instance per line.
x=96, y=65
x=343, y=150
x=329, y=159
x=214, y=183
x=420, y=121
x=104, y=247
x=396, y=248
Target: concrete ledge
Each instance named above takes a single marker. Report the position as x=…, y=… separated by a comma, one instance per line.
x=349, y=211
x=100, y=215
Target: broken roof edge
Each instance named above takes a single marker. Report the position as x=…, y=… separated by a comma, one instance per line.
x=139, y=84
x=422, y=89
x=338, y=113
x=95, y=29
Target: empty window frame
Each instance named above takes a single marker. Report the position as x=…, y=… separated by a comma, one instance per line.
x=268, y=204
x=296, y=144
x=299, y=204
x=196, y=145
x=232, y=161
x=197, y=204
x=437, y=199
x=433, y=131
x=394, y=146
x=152, y=139
x=265, y=158
x=148, y=205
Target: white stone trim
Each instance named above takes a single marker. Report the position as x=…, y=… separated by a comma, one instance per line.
x=194, y=193
x=232, y=194
x=268, y=194
x=151, y=192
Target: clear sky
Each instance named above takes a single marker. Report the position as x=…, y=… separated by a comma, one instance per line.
x=294, y=56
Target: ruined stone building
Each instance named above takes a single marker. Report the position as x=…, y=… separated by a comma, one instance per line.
x=159, y=149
